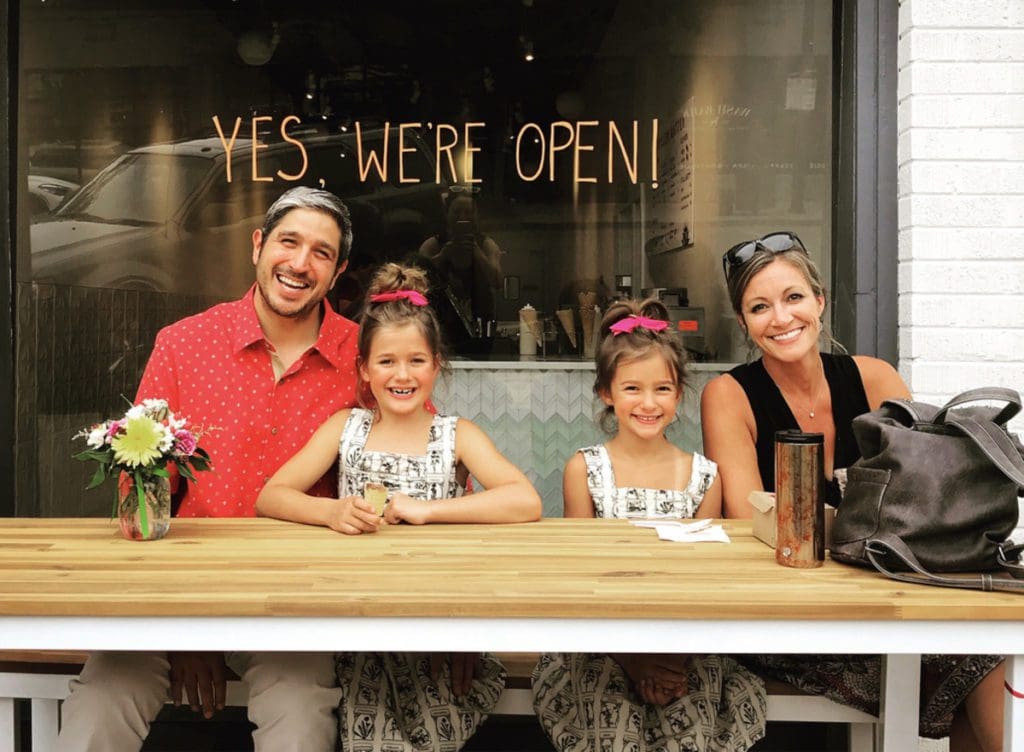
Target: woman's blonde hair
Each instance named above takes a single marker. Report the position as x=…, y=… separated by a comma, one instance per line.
x=614, y=349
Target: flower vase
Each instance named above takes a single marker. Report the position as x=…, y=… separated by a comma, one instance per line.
x=145, y=516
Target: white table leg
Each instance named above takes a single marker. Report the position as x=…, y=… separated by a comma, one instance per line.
x=862, y=737
x=1013, y=707
x=7, y=724
x=44, y=725
x=901, y=687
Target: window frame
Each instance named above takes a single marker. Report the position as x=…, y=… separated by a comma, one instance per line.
x=864, y=242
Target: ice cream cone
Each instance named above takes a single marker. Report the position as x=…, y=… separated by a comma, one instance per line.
x=528, y=317
x=528, y=330
x=568, y=324
x=377, y=496
x=587, y=315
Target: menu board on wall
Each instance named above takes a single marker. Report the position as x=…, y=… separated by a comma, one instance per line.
x=670, y=200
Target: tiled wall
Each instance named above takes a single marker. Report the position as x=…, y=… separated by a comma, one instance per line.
x=538, y=418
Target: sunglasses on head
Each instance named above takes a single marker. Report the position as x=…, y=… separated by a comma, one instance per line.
x=776, y=242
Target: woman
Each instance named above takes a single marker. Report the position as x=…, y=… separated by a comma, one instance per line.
x=779, y=300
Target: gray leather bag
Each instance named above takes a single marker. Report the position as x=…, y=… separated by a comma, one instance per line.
x=936, y=490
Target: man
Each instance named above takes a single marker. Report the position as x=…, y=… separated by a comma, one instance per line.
x=260, y=374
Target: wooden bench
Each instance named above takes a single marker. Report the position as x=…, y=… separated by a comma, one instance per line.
x=42, y=678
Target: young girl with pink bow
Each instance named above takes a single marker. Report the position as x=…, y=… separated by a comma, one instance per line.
x=640, y=701
x=404, y=701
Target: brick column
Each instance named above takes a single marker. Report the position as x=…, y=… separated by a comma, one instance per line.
x=961, y=195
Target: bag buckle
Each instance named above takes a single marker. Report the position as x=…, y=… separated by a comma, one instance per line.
x=1009, y=557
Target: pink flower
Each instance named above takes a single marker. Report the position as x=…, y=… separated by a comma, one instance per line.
x=184, y=443
x=115, y=427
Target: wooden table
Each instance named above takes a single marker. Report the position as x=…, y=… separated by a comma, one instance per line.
x=557, y=585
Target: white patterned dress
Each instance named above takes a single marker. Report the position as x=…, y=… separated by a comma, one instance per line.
x=389, y=703
x=586, y=702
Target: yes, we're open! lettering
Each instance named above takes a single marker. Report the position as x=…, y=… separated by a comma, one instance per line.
x=541, y=152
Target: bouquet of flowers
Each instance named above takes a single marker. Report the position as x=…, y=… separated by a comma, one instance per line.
x=141, y=444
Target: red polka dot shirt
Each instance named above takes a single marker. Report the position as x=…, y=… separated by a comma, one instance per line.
x=215, y=370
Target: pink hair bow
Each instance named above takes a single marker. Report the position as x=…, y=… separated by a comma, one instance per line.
x=417, y=299
x=632, y=321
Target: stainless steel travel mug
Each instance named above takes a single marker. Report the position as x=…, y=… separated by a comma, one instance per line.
x=800, y=498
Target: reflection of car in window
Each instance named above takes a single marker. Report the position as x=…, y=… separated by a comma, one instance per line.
x=163, y=217
x=45, y=193
x=74, y=161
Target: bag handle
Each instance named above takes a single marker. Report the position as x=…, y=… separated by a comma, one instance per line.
x=1009, y=556
x=994, y=393
x=888, y=544
x=996, y=445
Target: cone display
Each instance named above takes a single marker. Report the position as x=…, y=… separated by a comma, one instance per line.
x=568, y=324
x=588, y=314
x=528, y=318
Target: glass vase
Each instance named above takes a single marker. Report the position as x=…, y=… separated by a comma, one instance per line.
x=148, y=517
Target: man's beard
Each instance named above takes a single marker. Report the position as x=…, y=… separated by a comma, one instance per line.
x=308, y=308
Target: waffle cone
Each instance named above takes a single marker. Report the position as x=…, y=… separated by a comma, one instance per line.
x=528, y=317
x=568, y=324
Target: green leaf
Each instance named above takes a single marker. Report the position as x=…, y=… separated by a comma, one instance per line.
x=100, y=455
x=186, y=472
x=98, y=477
x=159, y=471
x=200, y=463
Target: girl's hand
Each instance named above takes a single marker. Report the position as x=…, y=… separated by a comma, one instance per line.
x=654, y=694
x=659, y=679
x=352, y=515
x=402, y=508
x=464, y=666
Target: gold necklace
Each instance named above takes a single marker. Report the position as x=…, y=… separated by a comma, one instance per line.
x=791, y=402
x=815, y=394
x=813, y=401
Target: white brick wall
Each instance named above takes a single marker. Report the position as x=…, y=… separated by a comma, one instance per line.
x=960, y=150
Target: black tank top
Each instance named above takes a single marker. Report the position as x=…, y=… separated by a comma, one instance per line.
x=771, y=413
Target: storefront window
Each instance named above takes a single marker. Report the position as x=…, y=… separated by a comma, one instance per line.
x=541, y=153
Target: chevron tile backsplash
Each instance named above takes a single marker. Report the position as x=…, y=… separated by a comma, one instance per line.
x=538, y=418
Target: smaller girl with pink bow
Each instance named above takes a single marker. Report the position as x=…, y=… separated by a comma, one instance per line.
x=669, y=701
x=397, y=447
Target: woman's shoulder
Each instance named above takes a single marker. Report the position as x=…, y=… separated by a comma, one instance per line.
x=881, y=381
x=870, y=366
x=721, y=387
x=724, y=394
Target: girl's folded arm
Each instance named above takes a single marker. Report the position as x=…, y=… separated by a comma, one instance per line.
x=509, y=495
x=284, y=496
x=711, y=506
x=576, y=498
